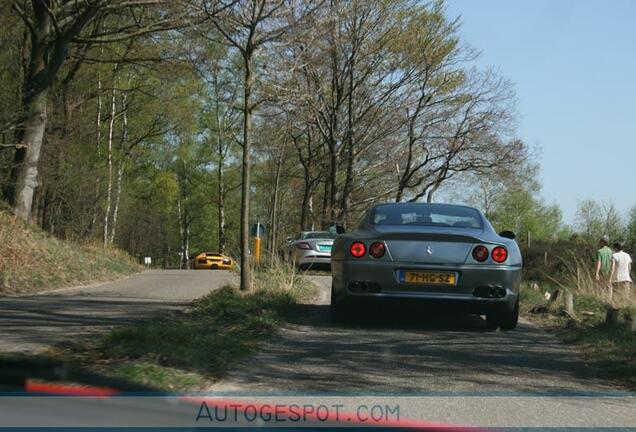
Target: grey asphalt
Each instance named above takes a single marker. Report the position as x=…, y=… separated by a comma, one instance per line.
x=442, y=368
x=31, y=324
x=394, y=352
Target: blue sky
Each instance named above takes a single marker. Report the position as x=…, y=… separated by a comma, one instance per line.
x=574, y=66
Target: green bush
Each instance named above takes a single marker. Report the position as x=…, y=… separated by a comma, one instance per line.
x=558, y=253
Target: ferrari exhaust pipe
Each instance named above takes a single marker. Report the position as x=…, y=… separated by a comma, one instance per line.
x=488, y=291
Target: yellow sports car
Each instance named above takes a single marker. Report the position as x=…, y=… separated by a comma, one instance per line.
x=212, y=261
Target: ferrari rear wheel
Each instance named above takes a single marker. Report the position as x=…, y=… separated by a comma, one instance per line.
x=505, y=319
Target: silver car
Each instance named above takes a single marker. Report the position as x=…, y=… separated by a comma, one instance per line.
x=309, y=248
x=437, y=254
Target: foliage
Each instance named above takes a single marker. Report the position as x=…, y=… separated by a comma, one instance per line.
x=594, y=220
x=630, y=231
x=550, y=261
x=522, y=213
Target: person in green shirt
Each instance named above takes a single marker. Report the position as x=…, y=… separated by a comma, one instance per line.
x=604, y=264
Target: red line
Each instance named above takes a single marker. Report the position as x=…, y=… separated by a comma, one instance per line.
x=68, y=390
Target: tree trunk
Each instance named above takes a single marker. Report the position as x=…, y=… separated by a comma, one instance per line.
x=109, y=187
x=325, y=204
x=184, y=231
x=333, y=188
x=47, y=56
x=221, y=185
x=30, y=134
x=274, y=218
x=221, y=204
x=346, y=190
x=310, y=207
x=246, y=275
x=308, y=182
x=98, y=145
x=120, y=168
x=27, y=159
x=304, y=208
x=120, y=175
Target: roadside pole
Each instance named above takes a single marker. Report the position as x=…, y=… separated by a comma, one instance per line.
x=257, y=248
x=257, y=230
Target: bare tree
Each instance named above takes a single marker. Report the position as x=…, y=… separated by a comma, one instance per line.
x=248, y=26
x=464, y=136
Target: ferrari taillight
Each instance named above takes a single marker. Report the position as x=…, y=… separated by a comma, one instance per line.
x=357, y=249
x=480, y=253
x=499, y=254
x=377, y=249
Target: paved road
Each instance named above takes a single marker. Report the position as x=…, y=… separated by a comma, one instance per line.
x=411, y=353
x=460, y=371
x=33, y=323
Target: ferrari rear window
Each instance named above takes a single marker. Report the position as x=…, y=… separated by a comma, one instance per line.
x=426, y=215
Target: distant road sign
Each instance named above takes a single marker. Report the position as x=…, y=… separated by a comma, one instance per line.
x=147, y=260
x=257, y=230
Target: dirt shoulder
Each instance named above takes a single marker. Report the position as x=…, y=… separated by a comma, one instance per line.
x=32, y=261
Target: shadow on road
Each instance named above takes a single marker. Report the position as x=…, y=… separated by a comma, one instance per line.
x=394, y=350
x=390, y=316
x=33, y=323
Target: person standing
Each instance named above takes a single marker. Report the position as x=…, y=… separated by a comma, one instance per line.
x=620, y=275
x=604, y=266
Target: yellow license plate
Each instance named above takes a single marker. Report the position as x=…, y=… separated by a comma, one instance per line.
x=431, y=278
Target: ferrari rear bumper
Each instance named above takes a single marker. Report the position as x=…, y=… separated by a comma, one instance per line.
x=477, y=288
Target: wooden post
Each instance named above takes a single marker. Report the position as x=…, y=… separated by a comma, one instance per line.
x=545, y=259
x=612, y=315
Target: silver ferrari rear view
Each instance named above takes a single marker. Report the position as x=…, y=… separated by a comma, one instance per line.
x=437, y=254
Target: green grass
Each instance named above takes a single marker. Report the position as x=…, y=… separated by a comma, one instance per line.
x=612, y=348
x=190, y=350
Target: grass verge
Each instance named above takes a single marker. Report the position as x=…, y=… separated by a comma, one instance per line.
x=610, y=347
x=31, y=260
x=190, y=350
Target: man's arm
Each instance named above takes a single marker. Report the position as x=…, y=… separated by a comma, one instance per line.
x=613, y=270
x=598, y=268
